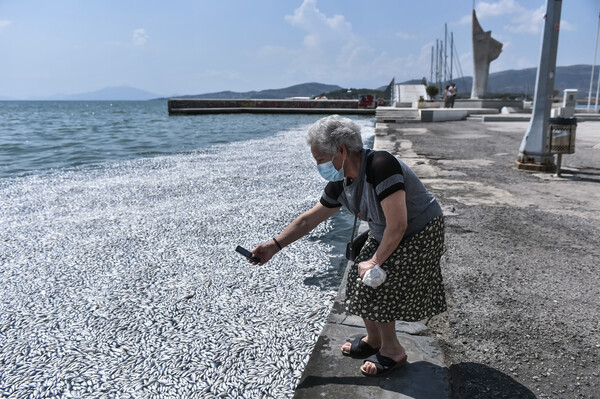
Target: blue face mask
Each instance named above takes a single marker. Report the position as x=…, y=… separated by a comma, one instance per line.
x=329, y=172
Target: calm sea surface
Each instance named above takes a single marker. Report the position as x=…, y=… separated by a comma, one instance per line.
x=38, y=136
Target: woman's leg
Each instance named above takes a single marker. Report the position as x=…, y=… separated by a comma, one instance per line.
x=373, y=337
x=390, y=346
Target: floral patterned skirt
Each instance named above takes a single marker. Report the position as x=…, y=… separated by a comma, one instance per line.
x=413, y=289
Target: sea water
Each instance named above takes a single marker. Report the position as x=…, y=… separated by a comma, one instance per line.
x=40, y=136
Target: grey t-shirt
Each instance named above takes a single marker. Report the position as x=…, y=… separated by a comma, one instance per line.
x=382, y=174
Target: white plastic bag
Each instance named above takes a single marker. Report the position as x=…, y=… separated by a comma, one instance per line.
x=374, y=277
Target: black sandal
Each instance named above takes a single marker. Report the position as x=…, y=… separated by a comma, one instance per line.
x=384, y=364
x=360, y=349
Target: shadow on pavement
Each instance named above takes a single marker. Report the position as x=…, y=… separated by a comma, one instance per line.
x=412, y=381
x=588, y=175
x=474, y=380
x=468, y=380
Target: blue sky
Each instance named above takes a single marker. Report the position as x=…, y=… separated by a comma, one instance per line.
x=193, y=47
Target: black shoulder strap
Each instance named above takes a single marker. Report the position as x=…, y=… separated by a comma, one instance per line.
x=359, y=191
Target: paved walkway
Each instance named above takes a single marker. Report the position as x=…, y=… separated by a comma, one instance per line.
x=469, y=166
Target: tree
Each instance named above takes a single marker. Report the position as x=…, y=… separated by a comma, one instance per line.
x=432, y=91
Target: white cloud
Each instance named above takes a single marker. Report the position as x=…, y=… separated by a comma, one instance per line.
x=521, y=19
x=353, y=54
x=140, y=37
x=528, y=21
x=319, y=27
x=502, y=7
x=566, y=26
x=330, y=50
x=4, y=24
x=311, y=41
x=465, y=20
x=491, y=10
x=405, y=36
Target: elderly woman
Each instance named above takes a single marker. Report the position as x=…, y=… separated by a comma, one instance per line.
x=406, y=238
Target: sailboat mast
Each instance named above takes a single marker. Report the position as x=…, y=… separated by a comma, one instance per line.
x=451, y=53
x=593, y=66
x=445, y=51
x=597, y=90
x=437, y=63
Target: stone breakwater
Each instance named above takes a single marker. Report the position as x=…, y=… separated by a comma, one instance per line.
x=121, y=281
x=273, y=106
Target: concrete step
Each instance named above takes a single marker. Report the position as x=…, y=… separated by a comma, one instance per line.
x=476, y=118
x=394, y=115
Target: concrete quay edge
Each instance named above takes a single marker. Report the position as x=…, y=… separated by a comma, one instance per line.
x=252, y=110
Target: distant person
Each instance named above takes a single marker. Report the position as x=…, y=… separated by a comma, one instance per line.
x=406, y=238
x=453, y=92
x=447, y=94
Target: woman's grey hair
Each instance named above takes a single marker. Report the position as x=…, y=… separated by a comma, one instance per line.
x=329, y=133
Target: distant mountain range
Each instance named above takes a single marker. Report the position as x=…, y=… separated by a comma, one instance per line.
x=523, y=81
x=569, y=77
x=301, y=90
x=114, y=94
x=120, y=93
x=510, y=81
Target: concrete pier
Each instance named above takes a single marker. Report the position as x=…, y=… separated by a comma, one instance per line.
x=217, y=106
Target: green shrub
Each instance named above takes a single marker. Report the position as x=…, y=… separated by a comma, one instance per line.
x=432, y=91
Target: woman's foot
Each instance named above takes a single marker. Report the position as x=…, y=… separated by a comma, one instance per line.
x=386, y=361
x=360, y=348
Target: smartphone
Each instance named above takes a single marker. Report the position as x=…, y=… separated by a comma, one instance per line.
x=247, y=254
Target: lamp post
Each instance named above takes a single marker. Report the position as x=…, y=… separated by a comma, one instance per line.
x=534, y=152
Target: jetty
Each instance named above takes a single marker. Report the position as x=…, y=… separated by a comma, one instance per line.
x=178, y=106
